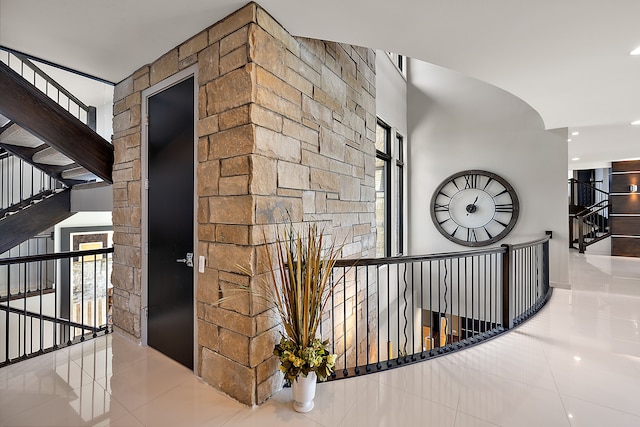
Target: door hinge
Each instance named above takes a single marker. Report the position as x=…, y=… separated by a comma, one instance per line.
x=145, y=310
x=146, y=120
x=146, y=184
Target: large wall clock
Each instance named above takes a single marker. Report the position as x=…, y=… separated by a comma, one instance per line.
x=474, y=208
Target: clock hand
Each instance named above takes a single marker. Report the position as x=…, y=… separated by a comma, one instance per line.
x=471, y=208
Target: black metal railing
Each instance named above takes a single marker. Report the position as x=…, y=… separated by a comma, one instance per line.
x=585, y=193
x=387, y=312
x=592, y=224
x=37, y=245
x=588, y=214
x=22, y=184
x=41, y=80
x=53, y=300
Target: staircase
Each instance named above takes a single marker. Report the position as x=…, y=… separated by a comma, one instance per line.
x=46, y=148
x=588, y=215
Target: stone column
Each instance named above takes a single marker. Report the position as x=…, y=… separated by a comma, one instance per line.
x=286, y=129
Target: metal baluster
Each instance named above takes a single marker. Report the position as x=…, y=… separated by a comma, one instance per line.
x=450, y=323
x=413, y=311
x=378, y=365
x=333, y=321
x=82, y=322
x=40, y=281
x=398, y=304
x=473, y=292
x=431, y=325
x=95, y=297
x=367, y=318
x=106, y=290
x=357, y=368
x=24, y=311
x=439, y=306
x=422, y=337
x=388, y=316
x=55, y=304
x=460, y=337
x=345, y=372
x=7, y=321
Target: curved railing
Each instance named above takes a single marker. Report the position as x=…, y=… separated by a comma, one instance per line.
x=388, y=312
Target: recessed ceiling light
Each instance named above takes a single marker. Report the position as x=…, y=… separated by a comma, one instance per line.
x=575, y=158
x=569, y=140
x=636, y=122
x=575, y=133
x=577, y=358
x=635, y=51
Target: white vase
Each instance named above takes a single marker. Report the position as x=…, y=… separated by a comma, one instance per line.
x=304, y=390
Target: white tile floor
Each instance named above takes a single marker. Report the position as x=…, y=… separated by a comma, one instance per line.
x=577, y=363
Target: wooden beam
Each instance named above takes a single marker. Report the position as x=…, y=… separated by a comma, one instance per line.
x=35, y=219
x=43, y=117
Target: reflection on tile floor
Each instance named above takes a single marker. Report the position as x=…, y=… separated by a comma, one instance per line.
x=577, y=363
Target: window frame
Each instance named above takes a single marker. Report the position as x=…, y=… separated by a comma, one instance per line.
x=386, y=157
x=400, y=184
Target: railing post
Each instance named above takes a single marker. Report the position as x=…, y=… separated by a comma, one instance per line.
x=545, y=264
x=571, y=225
x=507, y=321
x=572, y=198
x=581, y=223
x=91, y=117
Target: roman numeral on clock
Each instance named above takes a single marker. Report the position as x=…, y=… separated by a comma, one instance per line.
x=471, y=181
x=504, y=207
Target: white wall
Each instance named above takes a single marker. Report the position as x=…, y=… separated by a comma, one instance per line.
x=391, y=93
x=457, y=123
x=92, y=198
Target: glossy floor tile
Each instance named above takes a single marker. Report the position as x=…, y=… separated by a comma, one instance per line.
x=575, y=364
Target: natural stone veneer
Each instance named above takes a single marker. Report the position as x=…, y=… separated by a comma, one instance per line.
x=286, y=129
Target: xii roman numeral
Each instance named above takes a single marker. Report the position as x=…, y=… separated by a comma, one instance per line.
x=471, y=181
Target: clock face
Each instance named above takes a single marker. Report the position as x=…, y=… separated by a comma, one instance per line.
x=474, y=208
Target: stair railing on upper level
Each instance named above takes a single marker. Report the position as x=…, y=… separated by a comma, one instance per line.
x=580, y=190
x=593, y=224
x=41, y=80
x=588, y=214
x=22, y=184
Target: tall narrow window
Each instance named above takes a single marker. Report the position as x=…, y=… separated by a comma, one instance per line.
x=382, y=183
x=400, y=63
x=399, y=225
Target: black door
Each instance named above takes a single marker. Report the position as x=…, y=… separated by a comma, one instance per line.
x=170, y=222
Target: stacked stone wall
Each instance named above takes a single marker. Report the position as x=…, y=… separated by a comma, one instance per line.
x=286, y=130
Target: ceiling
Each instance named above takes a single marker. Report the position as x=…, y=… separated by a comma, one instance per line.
x=568, y=59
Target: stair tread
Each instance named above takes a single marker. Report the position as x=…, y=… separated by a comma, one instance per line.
x=79, y=173
x=51, y=156
x=15, y=135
